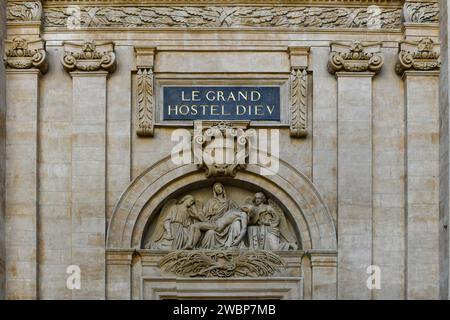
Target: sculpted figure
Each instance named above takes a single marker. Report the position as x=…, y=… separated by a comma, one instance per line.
x=268, y=229
x=171, y=231
x=226, y=232
x=218, y=204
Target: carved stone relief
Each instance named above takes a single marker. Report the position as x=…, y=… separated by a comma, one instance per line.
x=222, y=264
x=25, y=54
x=420, y=55
x=227, y=17
x=222, y=224
x=355, y=57
x=299, y=103
x=89, y=56
x=421, y=12
x=24, y=11
x=145, y=102
x=207, y=138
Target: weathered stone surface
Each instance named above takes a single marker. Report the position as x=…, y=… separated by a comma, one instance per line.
x=2, y=150
x=87, y=156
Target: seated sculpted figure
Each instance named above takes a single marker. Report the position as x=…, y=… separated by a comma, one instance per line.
x=226, y=232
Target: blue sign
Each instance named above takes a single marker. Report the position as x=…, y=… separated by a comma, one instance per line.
x=221, y=103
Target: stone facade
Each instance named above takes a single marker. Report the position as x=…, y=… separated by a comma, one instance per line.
x=2, y=152
x=361, y=177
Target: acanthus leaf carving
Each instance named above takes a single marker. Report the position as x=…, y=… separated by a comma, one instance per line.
x=23, y=11
x=355, y=57
x=89, y=56
x=21, y=53
x=145, y=102
x=420, y=55
x=227, y=17
x=299, y=103
x=222, y=264
x=421, y=12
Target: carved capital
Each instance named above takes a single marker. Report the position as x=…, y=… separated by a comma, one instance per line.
x=421, y=12
x=355, y=57
x=89, y=56
x=145, y=98
x=420, y=55
x=24, y=54
x=24, y=11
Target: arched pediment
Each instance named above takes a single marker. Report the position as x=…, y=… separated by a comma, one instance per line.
x=290, y=189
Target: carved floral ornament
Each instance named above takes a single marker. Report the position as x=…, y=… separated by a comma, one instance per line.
x=89, y=56
x=355, y=57
x=24, y=11
x=21, y=53
x=420, y=55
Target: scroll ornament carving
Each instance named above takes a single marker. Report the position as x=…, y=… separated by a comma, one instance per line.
x=145, y=102
x=21, y=11
x=421, y=12
x=206, y=140
x=221, y=224
x=24, y=54
x=355, y=57
x=222, y=264
x=89, y=56
x=228, y=17
x=299, y=103
x=421, y=56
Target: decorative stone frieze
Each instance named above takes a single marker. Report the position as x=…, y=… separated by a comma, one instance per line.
x=89, y=56
x=420, y=55
x=24, y=11
x=299, y=92
x=25, y=54
x=228, y=17
x=355, y=57
x=145, y=99
x=222, y=264
x=421, y=12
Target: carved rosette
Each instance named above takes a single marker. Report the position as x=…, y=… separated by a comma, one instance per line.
x=24, y=11
x=24, y=54
x=145, y=102
x=356, y=57
x=299, y=103
x=89, y=56
x=222, y=264
x=209, y=141
x=421, y=12
x=420, y=55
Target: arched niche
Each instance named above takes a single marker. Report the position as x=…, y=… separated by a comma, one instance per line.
x=293, y=191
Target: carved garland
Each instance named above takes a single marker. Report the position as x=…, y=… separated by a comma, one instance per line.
x=145, y=102
x=421, y=12
x=226, y=16
x=24, y=11
x=299, y=103
x=222, y=264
